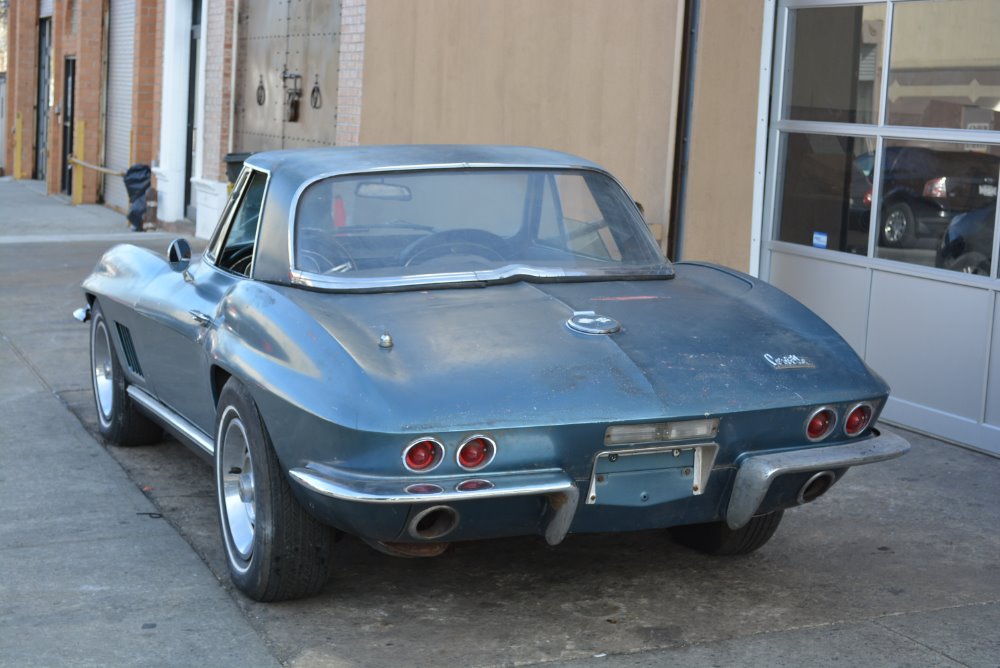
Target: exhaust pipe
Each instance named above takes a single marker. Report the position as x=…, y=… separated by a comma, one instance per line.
x=433, y=523
x=816, y=486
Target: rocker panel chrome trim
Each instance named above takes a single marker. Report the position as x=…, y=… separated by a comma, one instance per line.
x=756, y=473
x=172, y=420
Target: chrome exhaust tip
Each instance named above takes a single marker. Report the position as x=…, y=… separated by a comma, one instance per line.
x=433, y=523
x=816, y=486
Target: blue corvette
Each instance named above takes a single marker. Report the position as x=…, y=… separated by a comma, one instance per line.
x=424, y=344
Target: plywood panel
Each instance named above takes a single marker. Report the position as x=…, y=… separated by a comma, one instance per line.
x=595, y=78
x=719, y=193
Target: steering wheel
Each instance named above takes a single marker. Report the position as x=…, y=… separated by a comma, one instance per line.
x=321, y=253
x=454, y=242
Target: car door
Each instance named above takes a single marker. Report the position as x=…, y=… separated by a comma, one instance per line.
x=180, y=307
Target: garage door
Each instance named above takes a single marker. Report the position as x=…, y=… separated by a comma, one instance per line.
x=118, y=130
x=881, y=205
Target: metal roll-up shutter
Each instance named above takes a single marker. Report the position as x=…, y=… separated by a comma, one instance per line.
x=118, y=130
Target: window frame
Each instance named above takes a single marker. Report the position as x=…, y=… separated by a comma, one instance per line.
x=779, y=128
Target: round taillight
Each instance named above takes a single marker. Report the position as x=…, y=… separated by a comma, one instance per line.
x=858, y=419
x=423, y=455
x=820, y=424
x=476, y=452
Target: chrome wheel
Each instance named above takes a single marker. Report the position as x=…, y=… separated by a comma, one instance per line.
x=894, y=227
x=103, y=371
x=237, y=484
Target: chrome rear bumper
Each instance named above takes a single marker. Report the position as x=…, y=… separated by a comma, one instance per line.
x=554, y=484
x=756, y=473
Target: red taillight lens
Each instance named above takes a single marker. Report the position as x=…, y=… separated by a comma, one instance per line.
x=857, y=420
x=936, y=187
x=476, y=452
x=820, y=424
x=868, y=198
x=422, y=455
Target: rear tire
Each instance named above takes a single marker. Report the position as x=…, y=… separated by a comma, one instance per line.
x=274, y=549
x=898, y=226
x=118, y=418
x=716, y=538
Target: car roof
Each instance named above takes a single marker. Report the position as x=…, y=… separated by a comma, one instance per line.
x=291, y=171
x=306, y=165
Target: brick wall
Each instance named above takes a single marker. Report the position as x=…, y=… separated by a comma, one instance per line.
x=89, y=49
x=22, y=55
x=146, y=62
x=352, y=60
x=218, y=36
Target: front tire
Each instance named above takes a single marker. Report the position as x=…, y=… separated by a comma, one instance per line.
x=118, y=419
x=971, y=263
x=716, y=538
x=274, y=549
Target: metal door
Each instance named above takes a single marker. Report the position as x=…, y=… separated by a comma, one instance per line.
x=118, y=128
x=69, y=105
x=194, y=81
x=44, y=97
x=287, y=76
x=3, y=120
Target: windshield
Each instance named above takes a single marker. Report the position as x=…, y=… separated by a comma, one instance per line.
x=458, y=225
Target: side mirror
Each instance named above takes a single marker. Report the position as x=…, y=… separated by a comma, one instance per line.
x=179, y=254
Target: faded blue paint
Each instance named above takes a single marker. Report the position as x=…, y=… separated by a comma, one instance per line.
x=497, y=360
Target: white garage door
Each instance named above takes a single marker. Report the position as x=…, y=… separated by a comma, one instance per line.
x=881, y=207
x=118, y=131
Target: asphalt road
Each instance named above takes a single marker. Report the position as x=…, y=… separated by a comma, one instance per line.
x=898, y=566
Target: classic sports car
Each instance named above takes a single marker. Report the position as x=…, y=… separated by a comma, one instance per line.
x=426, y=344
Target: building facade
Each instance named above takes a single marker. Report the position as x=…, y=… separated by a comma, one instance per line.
x=845, y=150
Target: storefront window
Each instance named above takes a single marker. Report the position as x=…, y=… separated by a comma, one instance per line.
x=826, y=193
x=922, y=146
x=944, y=68
x=836, y=55
x=937, y=204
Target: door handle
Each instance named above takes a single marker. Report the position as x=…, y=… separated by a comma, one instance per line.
x=200, y=318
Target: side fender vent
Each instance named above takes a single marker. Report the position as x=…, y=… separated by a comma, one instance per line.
x=131, y=359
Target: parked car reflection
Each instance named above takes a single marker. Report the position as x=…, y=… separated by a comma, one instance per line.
x=923, y=191
x=967, y=244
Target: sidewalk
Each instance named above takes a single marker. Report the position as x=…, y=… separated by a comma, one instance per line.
x=90, y=573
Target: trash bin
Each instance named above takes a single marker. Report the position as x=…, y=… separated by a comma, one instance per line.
x=234, y=163
x=137, y=179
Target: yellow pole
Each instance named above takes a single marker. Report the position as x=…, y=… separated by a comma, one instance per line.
x=17, y=146
x=78, y=145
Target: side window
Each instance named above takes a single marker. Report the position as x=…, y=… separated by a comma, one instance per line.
x=237, y=250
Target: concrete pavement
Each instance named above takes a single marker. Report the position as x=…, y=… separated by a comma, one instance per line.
x=91, y=574
x=110, y=556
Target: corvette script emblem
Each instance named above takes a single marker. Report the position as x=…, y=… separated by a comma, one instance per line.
x=789, y=362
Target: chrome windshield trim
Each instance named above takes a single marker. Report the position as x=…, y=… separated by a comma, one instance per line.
x=172, y=420
x=555, y=484
x=757, y=472
x=385, y=169
x=506, y=273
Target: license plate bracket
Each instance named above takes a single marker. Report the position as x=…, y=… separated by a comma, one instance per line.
x=645, y=476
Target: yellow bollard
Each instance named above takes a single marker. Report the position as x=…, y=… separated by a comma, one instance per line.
x=78, y=145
